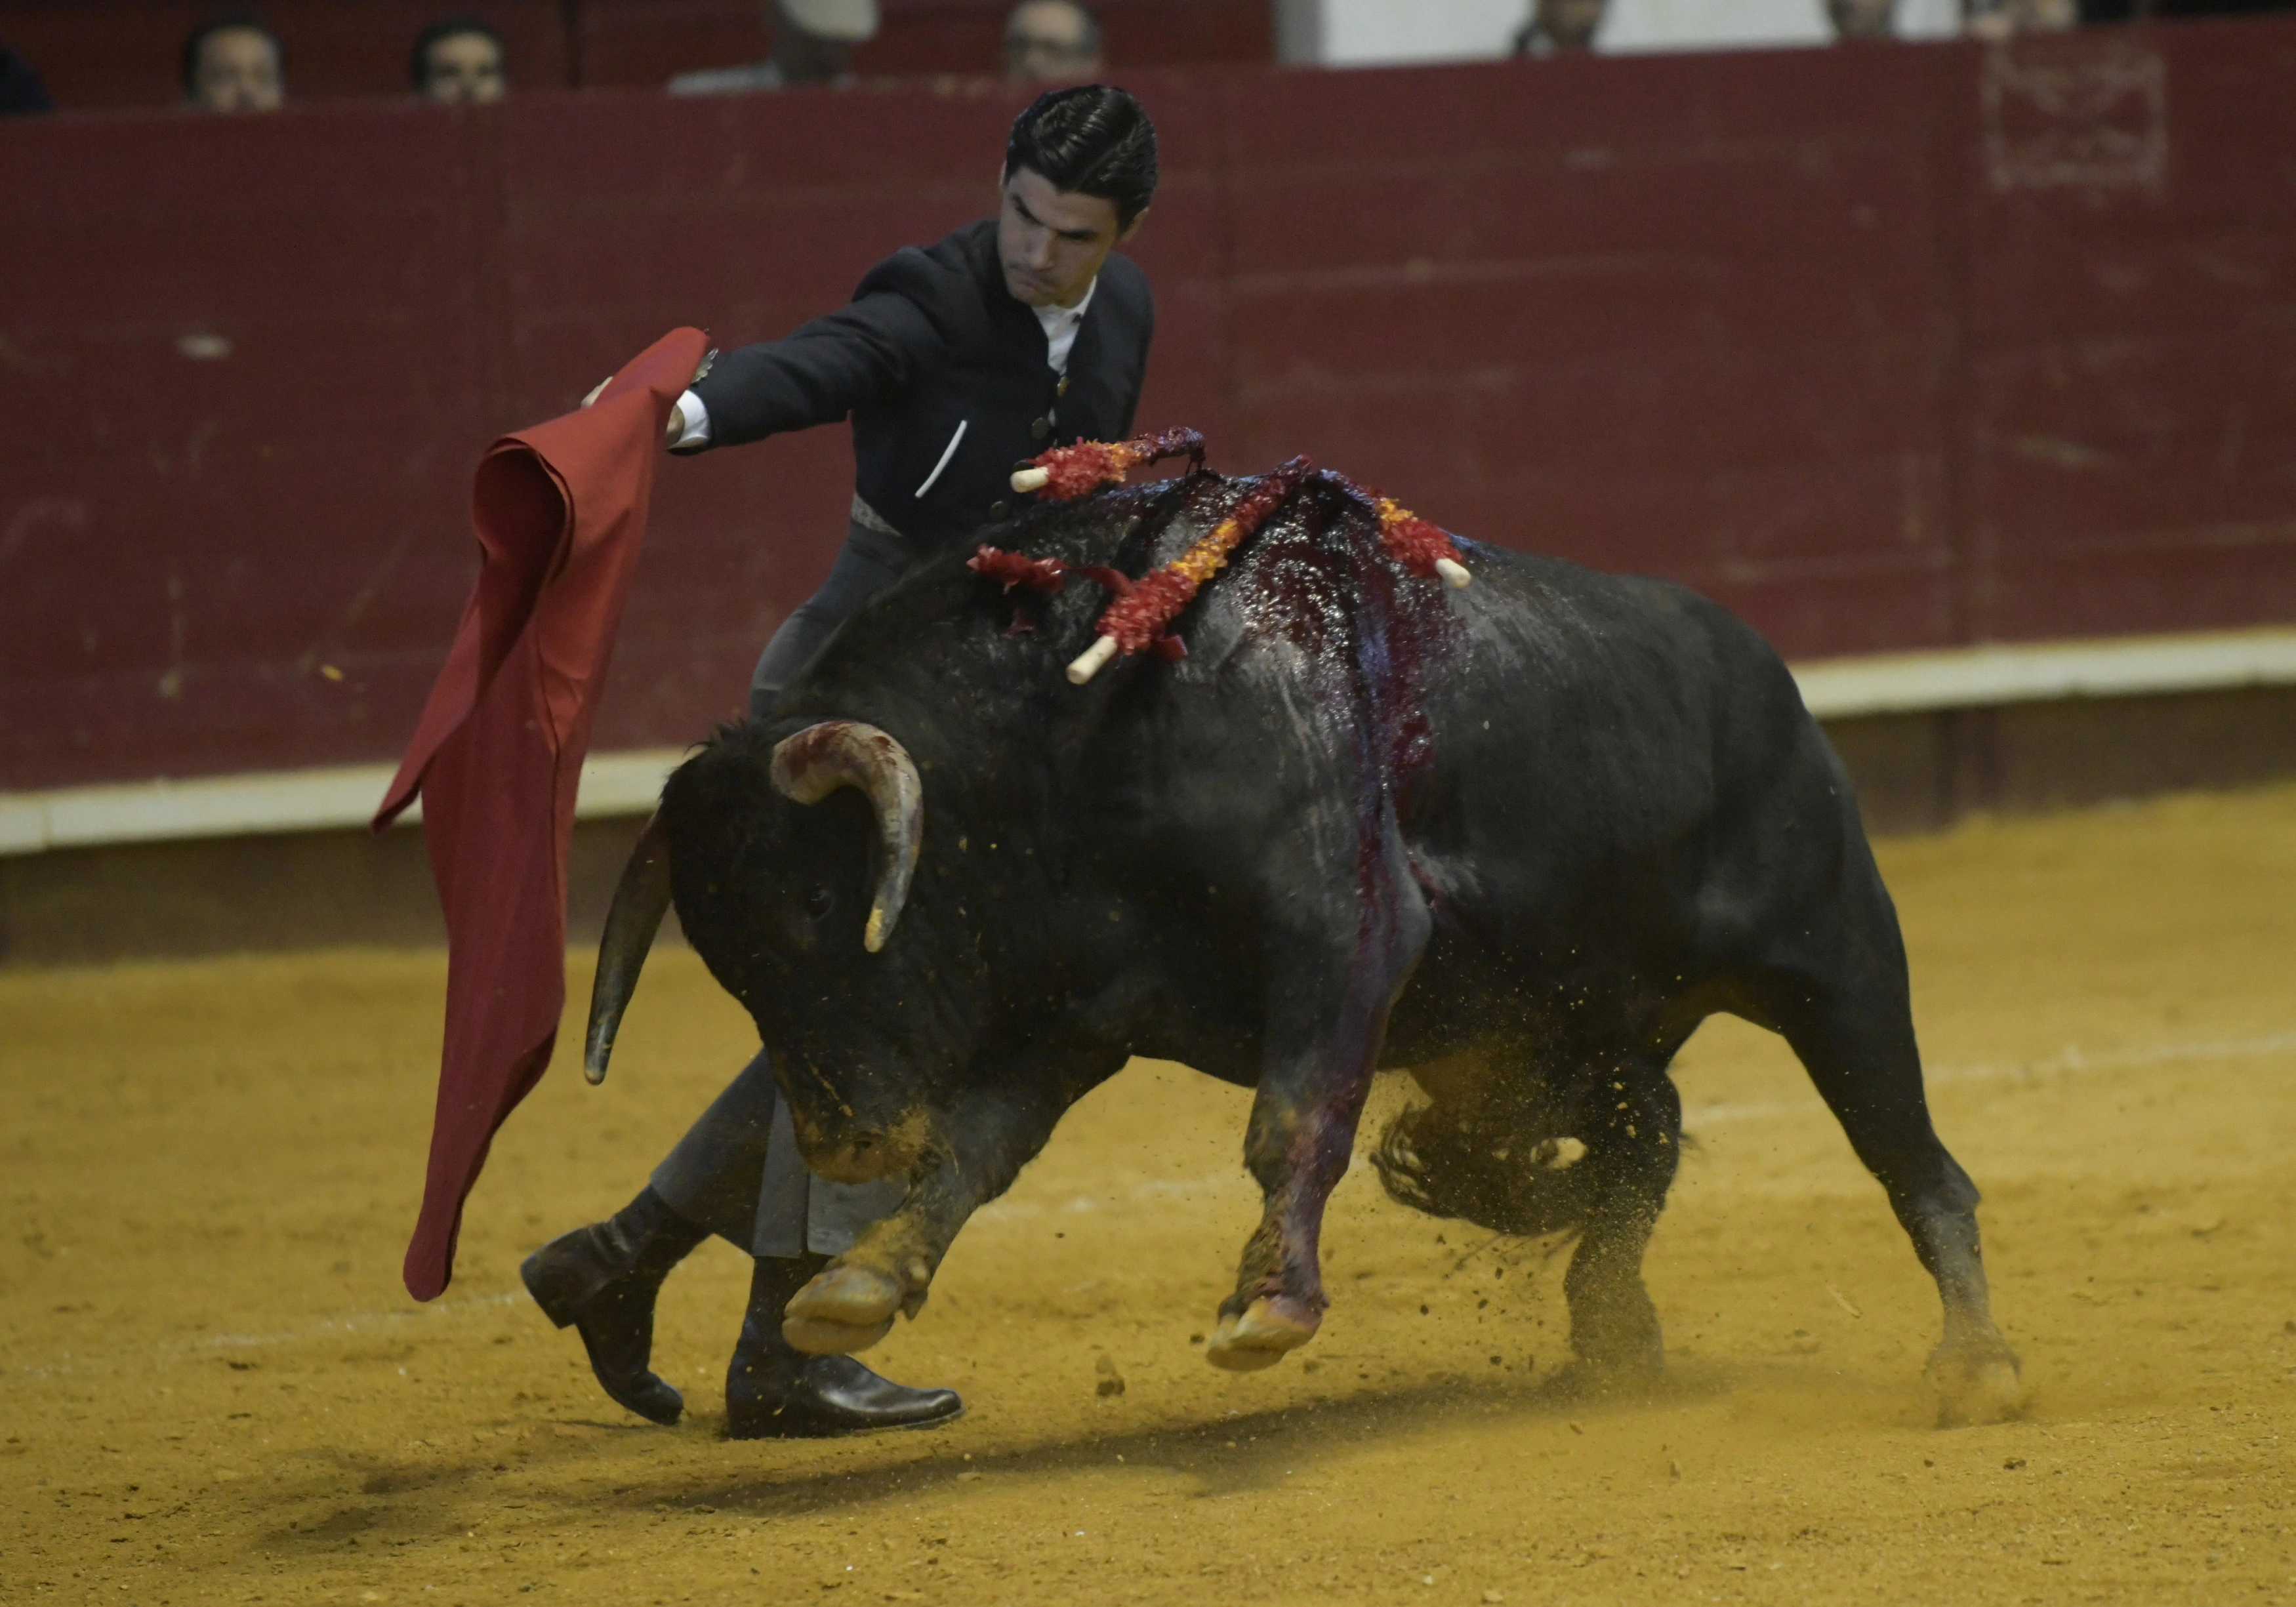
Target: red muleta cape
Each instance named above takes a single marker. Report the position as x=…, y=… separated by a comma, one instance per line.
x=560, y=512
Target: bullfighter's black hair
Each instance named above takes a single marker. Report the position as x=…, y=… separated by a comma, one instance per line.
x=418, y=61
x=1094, y=139
x=224, y=22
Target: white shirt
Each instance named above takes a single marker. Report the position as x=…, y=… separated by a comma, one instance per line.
x=1061, y=324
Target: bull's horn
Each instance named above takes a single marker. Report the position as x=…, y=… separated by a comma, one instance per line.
x=639, y=899
x=810, y=766
x=1031, y=479
x=1454, y=573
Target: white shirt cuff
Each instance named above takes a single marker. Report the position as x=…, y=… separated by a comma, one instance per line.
x=692, y=420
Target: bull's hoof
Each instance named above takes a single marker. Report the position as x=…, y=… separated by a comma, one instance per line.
x=833, y=1339
x=1259, y=1337
x=842, y=1310
x=1976, y=1384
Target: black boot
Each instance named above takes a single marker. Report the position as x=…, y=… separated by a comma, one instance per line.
x=603, y=1280
x=776, y=1391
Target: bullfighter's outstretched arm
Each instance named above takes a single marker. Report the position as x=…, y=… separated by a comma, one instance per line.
x=818, y=373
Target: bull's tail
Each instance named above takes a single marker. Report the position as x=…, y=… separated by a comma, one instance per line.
x=1434, y=1159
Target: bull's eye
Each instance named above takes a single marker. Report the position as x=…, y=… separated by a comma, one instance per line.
x=819, y=902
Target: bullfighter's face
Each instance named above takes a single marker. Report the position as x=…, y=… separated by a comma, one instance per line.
x=1052, y=242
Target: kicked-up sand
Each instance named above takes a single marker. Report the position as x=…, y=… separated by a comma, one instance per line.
x=214, y=1389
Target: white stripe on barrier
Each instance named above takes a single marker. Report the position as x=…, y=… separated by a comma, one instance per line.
x=628, y=782
x=2034, y=672
x=341, y=798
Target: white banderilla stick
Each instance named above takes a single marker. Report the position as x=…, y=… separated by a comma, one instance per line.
x=1091, y=661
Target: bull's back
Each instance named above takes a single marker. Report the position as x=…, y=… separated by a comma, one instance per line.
x=1607, y=752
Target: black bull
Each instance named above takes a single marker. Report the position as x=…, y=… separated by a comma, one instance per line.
x=1518, y=840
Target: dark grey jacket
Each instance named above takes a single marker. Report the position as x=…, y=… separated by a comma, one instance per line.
x=932, y=341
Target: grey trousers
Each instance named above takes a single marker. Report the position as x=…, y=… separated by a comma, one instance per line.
x=868, y=563
x=737, y=1171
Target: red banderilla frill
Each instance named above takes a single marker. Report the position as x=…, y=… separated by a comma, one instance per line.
x=1142, y=611
x=1145, y=609
x=1012, y=570
x=1422, y=548
x=1065, y=473
x=1419, y=546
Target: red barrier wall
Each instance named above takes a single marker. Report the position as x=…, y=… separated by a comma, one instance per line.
x=1885, y=347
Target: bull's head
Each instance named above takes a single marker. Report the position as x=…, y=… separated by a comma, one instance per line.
x=841, y=1133
x=819, y=759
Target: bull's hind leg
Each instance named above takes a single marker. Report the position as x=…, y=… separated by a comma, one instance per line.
x=1632, y=1130
x=1328, y=1001
x=1843, y=1007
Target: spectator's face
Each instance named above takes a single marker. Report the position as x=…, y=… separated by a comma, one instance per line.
x=1861, y=19
x=238, y=70
x=1050, y=41
x=462, y=67
x=1052, y=241
x=1571, y=24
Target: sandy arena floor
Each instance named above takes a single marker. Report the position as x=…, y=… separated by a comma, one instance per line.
x=216, y=1391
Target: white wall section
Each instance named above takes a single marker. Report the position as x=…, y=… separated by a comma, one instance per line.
x=341, y=798
x=1376, y=33
x=2036, y=672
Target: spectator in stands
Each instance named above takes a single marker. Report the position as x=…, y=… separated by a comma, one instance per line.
x=1052, y=42
x=457, y=59
x=1560, y=27
x=1999, y=18
x=1863, y=19
x=234, y=63
x=813, y=44
x=20, y=89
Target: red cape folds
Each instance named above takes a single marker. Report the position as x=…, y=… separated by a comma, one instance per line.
x=561, y=512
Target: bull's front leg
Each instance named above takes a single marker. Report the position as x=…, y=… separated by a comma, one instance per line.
x=972, y=1156
x=1329, y=997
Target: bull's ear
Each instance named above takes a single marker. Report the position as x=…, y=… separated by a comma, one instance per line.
x=819, y=759
x=641, y=898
